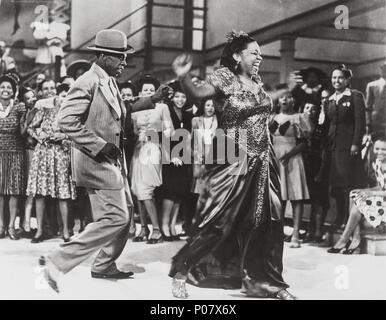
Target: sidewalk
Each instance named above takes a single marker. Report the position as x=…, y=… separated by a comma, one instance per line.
x=311, y=272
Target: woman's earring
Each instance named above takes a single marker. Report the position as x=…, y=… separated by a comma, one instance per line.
x=238, y=64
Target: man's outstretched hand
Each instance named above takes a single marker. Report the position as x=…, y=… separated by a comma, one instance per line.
x=163, y=92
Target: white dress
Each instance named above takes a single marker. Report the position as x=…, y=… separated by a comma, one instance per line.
x=146, y=165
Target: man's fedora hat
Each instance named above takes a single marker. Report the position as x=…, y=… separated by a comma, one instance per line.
x=111, y=41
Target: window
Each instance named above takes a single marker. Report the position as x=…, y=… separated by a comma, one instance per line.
x=194, y=24
x=179, y=24
x=199, y=4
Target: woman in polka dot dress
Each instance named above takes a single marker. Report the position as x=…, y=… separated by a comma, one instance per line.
x=371, y=203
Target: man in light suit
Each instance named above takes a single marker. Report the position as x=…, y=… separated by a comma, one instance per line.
x=95, y=118
x=376, y=103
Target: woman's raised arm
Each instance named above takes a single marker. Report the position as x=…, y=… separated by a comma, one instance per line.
x=181, y=66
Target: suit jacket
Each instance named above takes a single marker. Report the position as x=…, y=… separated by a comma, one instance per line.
x=346, y=120
x=376, y=104
x=90, y=117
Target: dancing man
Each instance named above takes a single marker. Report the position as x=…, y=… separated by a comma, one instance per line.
x=94, y=117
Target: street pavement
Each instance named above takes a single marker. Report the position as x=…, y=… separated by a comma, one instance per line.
x=311, y=272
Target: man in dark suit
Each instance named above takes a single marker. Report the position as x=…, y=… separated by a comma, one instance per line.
x=95, y=118
x=376, y=103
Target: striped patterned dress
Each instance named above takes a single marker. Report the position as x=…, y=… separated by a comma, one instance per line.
x=12, y=152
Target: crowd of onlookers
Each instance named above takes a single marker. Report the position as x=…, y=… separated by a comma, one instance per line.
x=321, y=134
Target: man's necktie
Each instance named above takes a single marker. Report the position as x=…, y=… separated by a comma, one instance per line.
x=114, y=91
x=113, y=87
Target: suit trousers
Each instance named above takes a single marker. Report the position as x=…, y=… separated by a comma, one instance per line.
x=112, y=211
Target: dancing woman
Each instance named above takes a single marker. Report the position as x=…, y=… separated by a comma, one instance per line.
x=237, y=240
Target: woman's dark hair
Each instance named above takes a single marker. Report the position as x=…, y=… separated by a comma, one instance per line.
x=147, y=79
x=378, y=135
x=347, y=73
x=201, y=110
x=62, y=87
x=64, y=78
x=22, y=92
x=176, y=87
x=44, y=81
x=237, y=42
x=13, y=79
x=130, y=85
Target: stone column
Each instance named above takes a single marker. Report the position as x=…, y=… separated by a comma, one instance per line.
x=287, y=54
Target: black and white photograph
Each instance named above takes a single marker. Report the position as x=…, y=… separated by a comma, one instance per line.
x=173, y=151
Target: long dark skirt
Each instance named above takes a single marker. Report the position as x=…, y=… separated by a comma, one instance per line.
x=237, y=239
x=347, y=172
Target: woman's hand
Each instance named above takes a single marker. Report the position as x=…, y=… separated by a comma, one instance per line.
x=43, y=137
x=57, y=136
x=381, y=229
x=354, y=150
x=177, y=162
x=182, y=65
x=363, y=195
x=308, y=109
x=295, y=78
x=284, y=160
x=163, y=92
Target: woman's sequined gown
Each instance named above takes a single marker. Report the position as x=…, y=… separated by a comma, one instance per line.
x=237, y=240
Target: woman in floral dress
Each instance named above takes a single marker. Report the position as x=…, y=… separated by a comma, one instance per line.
x=237, y=240
x=49, y=174
x=12, y=153
x=370, y=203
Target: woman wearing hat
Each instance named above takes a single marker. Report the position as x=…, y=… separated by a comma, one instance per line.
x=12, y=153
x=146, y=166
